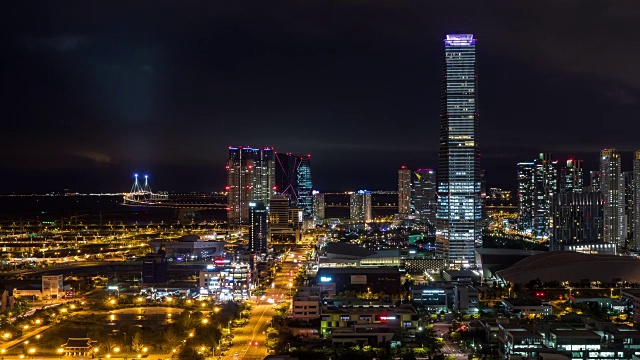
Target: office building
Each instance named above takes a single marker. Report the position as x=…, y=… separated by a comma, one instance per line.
x=577, y=221
x=360, y=206
x=285, y=223
x=572, y=176
x=537, y=182
x=189, y=248
x=293, y=179
x=52, y=286
x=424, y=195
x=636, y=201
x=250, y=177
x=404, y=192
x=258, y=229
x=154, y=268
x=459, y=213
x=612, y=186
x=318, y=206
x=306, y=303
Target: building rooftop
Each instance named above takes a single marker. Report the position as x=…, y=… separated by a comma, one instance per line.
x=525, y=334
x=523, y=302
x=352, y=270
x=576, y=333
x=345, y=249
x=78, y=342
x=573, y=267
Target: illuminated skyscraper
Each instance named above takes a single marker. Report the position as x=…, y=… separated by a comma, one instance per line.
x=318, y=205
x=629, y=207
x=572, y=176
x=612, y=186
x=537, y=183
x=404, y=192
x=424, y=195
x=459, y=213
x=293, y=179
x=258, y=227
x=545, y=185
x=578, y=223
x=526, y=203
x=636, y=201
x=250, y=177
x=360, y=206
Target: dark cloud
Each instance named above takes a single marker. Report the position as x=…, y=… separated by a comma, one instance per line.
x=161, y=85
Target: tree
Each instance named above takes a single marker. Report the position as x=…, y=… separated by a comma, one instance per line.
x=170, y=339
x=136, y=342
x=188, y=353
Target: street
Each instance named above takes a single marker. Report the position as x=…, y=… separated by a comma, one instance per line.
x=254, y=331
x=450, y=348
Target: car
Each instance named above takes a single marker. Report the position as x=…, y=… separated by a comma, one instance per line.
x=236, y=355
x=262, y=293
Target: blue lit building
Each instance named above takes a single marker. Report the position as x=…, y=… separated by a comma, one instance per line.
x=293, y=179
x=458, y=217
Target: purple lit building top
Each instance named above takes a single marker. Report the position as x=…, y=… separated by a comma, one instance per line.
x=459, y=40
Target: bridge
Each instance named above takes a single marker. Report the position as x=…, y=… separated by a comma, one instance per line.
x=142, y=196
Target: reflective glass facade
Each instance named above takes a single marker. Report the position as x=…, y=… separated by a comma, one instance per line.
x=459, y=205
x=250, y=177
x=293, y=179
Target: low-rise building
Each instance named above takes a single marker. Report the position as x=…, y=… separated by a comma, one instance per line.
x=189, y=248
x=306, y=303
x=466, y=299
x=526, y=307
x=368, y=315
x=632, y=298
x=434, y=298
x=52, y=286
x=6, y=300
x=383, y=279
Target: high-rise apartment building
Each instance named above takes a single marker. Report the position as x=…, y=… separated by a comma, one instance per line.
x=424, y=195
x=293, y=179
x=636, y=201
x=612, y=187
x=537, y=182
x=578, y=222
x=318, y=205
x=459, y=213
x=629, y=207
x=526, y=203
x=572, y=176
x=250, y=177
x=360, y=206
x=544, y=186
x=594, y=181
x=258, y=228
x=404, y=192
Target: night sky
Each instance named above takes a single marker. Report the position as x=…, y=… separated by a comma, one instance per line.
x=95, y=90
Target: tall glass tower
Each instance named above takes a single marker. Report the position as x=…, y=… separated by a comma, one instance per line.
x=459, y=213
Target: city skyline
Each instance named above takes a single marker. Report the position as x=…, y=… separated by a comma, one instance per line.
x=165, y=101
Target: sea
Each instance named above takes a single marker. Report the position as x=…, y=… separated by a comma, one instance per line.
x=90, y=209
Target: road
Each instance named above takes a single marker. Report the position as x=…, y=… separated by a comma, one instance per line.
x=450, y=348
x=262, y=312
